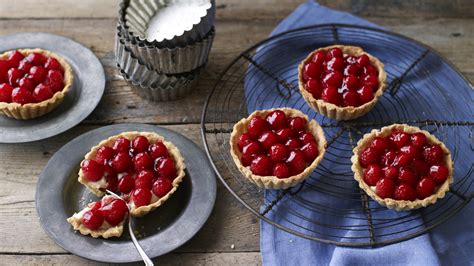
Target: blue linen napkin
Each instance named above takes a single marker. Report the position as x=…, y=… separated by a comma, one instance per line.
x=449, y=243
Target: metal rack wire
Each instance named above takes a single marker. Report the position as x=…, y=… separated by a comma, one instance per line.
x=265, y=76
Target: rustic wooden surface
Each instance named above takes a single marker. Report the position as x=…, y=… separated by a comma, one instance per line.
x=231, y=236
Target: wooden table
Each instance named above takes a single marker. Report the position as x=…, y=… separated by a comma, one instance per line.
x=231, y=236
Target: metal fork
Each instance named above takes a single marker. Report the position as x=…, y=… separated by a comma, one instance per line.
x=139, y=248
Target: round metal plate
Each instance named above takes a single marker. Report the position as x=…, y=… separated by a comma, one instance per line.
x=59, y=195
x=87, y=90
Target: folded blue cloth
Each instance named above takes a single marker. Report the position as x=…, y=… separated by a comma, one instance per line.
x=450, y=243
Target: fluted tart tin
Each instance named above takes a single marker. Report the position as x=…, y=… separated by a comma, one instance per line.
x=172, y=91
x=155, y=23
x=168, y=60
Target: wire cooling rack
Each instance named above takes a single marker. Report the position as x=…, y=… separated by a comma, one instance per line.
x=424, y=90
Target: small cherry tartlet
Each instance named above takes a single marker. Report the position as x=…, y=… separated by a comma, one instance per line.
x=103, y=218
x=402, y=167
x=277, y=148
x=32, y=82
x=341, y=82
x=142, y=167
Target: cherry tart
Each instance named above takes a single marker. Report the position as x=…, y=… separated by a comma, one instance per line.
x=402, y=167
x=341, y=82
x=103, y=218
x=32, y=82
x=142, y=167
x=277, y=148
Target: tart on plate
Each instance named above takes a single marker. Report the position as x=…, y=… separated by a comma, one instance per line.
x=341, y=82
x=32, y=82
x=402, y=167
x=142, y=167
x=277, y=148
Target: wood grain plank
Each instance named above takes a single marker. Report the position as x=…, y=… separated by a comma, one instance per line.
x=230, y=223
x=240, y=258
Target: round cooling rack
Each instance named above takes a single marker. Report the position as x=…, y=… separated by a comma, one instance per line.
x=424, y=90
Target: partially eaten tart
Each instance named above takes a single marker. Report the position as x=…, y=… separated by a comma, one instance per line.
x=341, y=82
x=277, y=148
x=32, y=82
x=141, y=167
x=402, y=167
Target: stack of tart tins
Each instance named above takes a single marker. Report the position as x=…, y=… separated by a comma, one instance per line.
x=161, y=46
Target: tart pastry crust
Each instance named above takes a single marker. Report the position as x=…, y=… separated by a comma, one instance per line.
x=95, y=187
x=273, y=182
x=34, y=110
x=337, y=112
x=400, y=205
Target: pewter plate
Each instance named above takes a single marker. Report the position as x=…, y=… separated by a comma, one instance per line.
x=59, y=195
x=87, y=90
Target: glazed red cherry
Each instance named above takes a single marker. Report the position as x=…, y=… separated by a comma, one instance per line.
x=439, y=173
x=371, y=81
x=372, y=174
x=126, y=184
x=281, y=170
x=368, y=156
x=331, y=95
x=310, y=151
x=15, y=58
x=104, y=154
x=114, y=211
x=157, y=150
x=365, y=94
x=25, y=66
x=121, y=145
x=352, y=70
x=319, y=57
x=350, y=59
x=390, y=172
x=296, y=162
x=404, y=192
x=433, y=154
x=257, y=126
x=53, y=64
x=293, y=144
x=385, y=188
x=284, y=134
x=54, y=76
x=141, y=197
x=42, y=93
x=420, y=167
x=267, y=139
x=162, y=186
x=38, y=74
x=92, y=219
x=333, y=79
x=252, y=148
x=297, y=123
x=380, y=144
x=363, y=60
x=350, y=98
x=246, y=159
x=111, y=178
x=4, y=67
x=277, y=119
x=278, y=152
x=244, y=139
x=425, y=188
x=142, y=161
x=334, y=52
x=400, y=138
x=410, y=150
x=418, y=139
x=95, y=205
x=56, y=86
x=27, y=83
x=307, y=137
x=312, y=70
x=351, y=81
x=36, y=59
x=401, y=159
x=314, y=87
x=406, y=176
x=92, y=170
x=388, y=157
x=370, y=70
x=262, y=165
x=336, y=64
x=144, y=179
x=14, y=75
x=140, y=144
x=165, y=168
x=22, y=96
x=121, y=162
x=6, y=92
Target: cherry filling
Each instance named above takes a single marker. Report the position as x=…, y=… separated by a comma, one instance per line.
x=108, y=209
x=403, y=166
x=31, y=79
x=343, y=80
x=277, y=145
x=135, y=169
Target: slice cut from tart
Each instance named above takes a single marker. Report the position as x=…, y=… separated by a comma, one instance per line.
x=341, y=82
x=103, y=218
x=142, y=167
x=32, y=82
x=277, y=148
x=402, y=167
